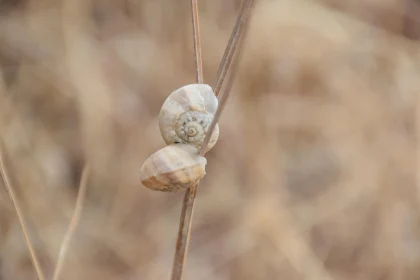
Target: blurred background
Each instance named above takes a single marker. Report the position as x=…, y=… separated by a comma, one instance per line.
x=314, y=174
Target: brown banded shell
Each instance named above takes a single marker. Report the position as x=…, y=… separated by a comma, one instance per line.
x=187, y=114
x=173, y=168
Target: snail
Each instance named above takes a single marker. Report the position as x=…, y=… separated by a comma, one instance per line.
x=187, y=114
x=184, y=120
x=173, y=168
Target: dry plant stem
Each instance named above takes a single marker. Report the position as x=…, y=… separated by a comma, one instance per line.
x=73, y=222
x=184, y=232
x=19, y=212
x=225, y=94
x=232, y=45
x=75, y=25
x=197, y=41
x=189, y=198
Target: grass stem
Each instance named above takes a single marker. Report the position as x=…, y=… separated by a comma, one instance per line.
x=74, y=222
x=6, y=179
x=184, y=231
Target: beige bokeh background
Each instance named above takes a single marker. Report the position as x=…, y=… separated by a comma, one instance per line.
x=314, y=175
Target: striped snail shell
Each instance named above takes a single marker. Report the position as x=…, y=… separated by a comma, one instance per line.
x=186, y=116
x=173, y=168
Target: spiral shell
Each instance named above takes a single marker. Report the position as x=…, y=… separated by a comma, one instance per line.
x=186, y=116
x=173, y=168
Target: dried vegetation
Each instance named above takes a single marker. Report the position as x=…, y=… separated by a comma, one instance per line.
x=314, y=175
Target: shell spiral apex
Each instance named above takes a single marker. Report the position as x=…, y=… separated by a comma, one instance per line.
x=187, y=114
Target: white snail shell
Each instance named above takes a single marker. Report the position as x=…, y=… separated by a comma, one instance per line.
x=173, y=168
x=187, y=114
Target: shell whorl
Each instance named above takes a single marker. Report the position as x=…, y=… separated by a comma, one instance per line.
x=187, y=114
x=173, y=168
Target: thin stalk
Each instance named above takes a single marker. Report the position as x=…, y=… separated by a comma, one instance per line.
x=74, y=222
x=197, y=41
x=5, y=175
x=189, y=198
x=223, y=97
x=234, y=39
x=75, y=26
x=184, y=232
x=187, y=211
x=240, y=36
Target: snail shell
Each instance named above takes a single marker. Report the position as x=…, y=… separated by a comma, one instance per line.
x=173, y=168
x=187, y=114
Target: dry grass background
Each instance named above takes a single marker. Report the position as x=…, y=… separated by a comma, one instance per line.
x=314, y=175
